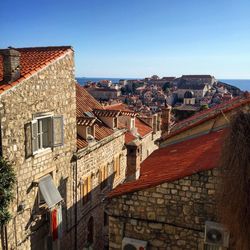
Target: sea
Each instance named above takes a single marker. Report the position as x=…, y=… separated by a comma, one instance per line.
x=243, y=84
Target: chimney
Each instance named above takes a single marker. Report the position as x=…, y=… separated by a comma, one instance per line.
x=11, y=65
x=133, y=160
x=166, y=118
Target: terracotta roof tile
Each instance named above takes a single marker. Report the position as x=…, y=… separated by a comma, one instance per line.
x=33, y=59
x=84, y=101
x=102, y=131
x=142, y=128
x=81, y=143
x=86, y=121
x=176, y=161
x=129, y=137
x=118, y=106
x=106, y=113
x=123, y=108
x=87, y=103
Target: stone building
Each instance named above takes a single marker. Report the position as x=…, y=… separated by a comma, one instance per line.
x=173, y=203
x=104, y=94
x=207, y=79
x=38, y=135
x=199, y=89
x=100, y=165
x=140, y=137
x=168, y=206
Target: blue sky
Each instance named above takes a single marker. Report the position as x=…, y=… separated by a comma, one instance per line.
x=137, y=38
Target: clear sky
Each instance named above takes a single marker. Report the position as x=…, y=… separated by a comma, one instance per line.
x=136, y=38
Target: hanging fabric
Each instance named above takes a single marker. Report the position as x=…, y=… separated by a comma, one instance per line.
x=54, y=224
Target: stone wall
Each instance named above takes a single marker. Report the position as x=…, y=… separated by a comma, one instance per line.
x=102, y=94
x=51, y=89
x=90, y=162
x=169, y=216
x=149, y=145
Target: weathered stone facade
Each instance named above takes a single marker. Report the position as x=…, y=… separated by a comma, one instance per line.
x=169, y=216
x=90, y=163
x=50, y=89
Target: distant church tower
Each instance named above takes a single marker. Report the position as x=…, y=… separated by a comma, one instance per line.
x=189, y=97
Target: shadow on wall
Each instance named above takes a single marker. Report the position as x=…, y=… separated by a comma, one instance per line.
x=83, y=225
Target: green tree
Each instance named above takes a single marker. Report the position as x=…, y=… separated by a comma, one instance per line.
x=166, y=86
x=7, y=182
x=204, y=106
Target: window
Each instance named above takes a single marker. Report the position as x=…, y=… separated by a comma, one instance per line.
x=90, y=130
x=40, y=200
x=117, y=166
x=103, y=176
x=105, y=219
x=90, y=236
x=86, y=190
x=132, y=123
x=43, y=132
x=48, y=193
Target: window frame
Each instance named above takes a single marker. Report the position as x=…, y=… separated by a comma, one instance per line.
x=86, y=186
x=115, y=122
x=117, y=166
x=37, y=133
x=104, y=176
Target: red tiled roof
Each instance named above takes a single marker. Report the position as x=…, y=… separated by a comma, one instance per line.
x=106, y=113
x=176, y=161
x=32, y=60
x=142, y=128
x=80, y=142
x=207, y=114
x=87, y=103
x=128, y=113
x=86, y=121
x=129, y=137
x=123, y=108
x=101, y=131
x=118, y=106
x=84, y=101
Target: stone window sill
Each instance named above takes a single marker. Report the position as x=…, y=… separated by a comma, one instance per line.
x=42, y=152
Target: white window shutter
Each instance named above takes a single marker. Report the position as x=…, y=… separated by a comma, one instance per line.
x=34, y=132
x=28, y=140
x=57, y=131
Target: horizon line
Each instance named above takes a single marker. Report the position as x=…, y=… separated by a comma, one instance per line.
x=220, y=78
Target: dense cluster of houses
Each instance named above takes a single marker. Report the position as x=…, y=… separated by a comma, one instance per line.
x=92, y=176
x=187, y=94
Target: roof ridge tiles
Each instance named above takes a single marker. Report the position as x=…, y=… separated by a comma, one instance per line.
x=45, y=47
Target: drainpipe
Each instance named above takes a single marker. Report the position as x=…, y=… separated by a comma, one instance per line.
x=75, y=196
